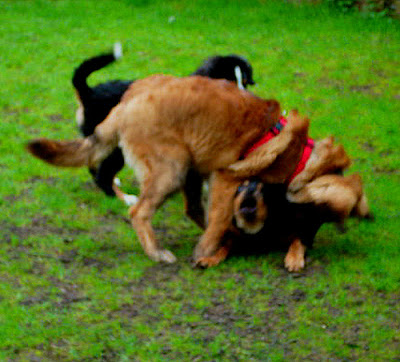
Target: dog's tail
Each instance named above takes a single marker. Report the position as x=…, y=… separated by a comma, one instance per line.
x=74, y=153
x=89, y=151
x=90, y=65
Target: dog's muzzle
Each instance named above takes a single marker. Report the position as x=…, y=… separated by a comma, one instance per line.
x=248, y=206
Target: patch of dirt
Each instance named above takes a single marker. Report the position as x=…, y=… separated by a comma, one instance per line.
x=56, y=118
x=15, y=111
x=331, y=83
x=387, y=170
x=26, y=191
x=38, y=226
x=68, y=294
x=364, y=88
x=368, y=146
x=222, y=314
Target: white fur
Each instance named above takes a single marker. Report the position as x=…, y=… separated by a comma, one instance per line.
x=239, y=78
x=133, y=162
x=248, y=229
x=79, y=116
x=117, y=51
x=117, y=181
x=130, y=200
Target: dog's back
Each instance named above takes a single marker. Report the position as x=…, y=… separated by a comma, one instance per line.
x=205, y=114
x=212, y=119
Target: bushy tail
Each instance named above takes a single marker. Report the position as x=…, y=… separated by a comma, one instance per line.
x=76, y=153
x=83, y=71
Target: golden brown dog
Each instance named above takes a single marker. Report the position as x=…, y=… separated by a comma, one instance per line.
x=291, y=216
x=173, y=129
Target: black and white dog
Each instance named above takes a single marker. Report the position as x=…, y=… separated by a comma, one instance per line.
x=96, y=102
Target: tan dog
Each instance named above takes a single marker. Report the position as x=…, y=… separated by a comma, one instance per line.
x=292, y=216
x=172, y=130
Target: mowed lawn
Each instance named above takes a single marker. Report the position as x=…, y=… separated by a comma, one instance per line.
x=75, y=284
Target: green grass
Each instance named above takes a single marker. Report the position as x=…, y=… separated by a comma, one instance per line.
x=75, y=284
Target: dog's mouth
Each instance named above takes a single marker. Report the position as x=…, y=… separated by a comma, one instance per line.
x=248, y=209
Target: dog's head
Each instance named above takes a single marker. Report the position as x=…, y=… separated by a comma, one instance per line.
x=250, y=210
x=231, y=67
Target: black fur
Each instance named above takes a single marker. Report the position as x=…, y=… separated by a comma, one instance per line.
x=285, y=222
x=98, y=101
x=223, y=67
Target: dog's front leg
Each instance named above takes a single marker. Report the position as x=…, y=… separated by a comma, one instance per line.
x=220, y=255
x=223, y=188
x=294, y=260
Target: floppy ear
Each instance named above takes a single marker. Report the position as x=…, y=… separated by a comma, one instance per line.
x=325, y=159
x=342, y=195
x=264, y=156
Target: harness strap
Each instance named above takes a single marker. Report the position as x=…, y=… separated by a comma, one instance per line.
x=275, y=130
x=304, y=158
x=267, y=136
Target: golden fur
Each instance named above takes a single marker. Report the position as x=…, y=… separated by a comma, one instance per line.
x=172, y=128
x=335, y=196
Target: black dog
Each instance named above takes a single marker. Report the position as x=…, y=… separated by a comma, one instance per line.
x=263, y=213
x=96, y=102
x=267, y=220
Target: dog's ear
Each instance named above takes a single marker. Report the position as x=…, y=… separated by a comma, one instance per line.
x=341, y=159
x=326, y=159
x=361, y=209
x=342, y=195
x=265, y=155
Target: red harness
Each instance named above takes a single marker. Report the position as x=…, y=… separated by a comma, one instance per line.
x=275, y=131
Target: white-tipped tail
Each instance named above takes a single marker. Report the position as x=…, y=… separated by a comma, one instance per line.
x=117, y=51
x=238, y=75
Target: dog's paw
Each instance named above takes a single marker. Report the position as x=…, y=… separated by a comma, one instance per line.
x=206, y=262
x=294, y=262
x=165, y=256
x=130, y=200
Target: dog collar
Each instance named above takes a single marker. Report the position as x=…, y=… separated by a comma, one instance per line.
x=275, y=130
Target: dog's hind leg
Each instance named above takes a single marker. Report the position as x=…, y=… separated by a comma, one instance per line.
x=160, y=177
x=105, y=173
x=222, y=192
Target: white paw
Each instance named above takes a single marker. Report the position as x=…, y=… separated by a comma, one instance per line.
x=117, y=181
x=130, y=200
x=166, y=256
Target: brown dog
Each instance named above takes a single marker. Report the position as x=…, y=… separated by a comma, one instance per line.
x=173, y=129
x=291, y=216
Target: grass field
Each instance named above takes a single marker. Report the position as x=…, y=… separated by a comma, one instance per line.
x=75, y=284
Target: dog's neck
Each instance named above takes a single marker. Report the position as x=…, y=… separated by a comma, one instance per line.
x=274, y=131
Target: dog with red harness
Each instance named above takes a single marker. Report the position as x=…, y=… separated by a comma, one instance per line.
x=289, y=215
